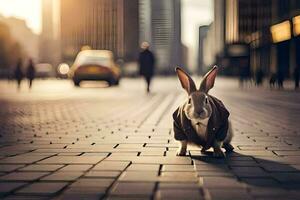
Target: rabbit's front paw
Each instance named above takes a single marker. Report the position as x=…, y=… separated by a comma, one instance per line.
x=181, y=152
x=218, y=153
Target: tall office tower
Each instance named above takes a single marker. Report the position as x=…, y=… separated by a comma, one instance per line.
x=202, y=35
x=99, y=24
x=49, y=47
x=160, y=25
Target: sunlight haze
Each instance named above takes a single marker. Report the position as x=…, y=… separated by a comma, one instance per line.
x=29, y=10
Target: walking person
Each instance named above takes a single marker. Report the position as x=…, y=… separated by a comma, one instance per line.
x=259, y=77
x=280, y=78
x=146, y=64
x=19, y=73
x=297, y=77
x=30, y=72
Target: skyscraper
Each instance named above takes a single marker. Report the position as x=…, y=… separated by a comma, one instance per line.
x=202, y=35
x=49, y=46
x=160, y=25
x=99, y=24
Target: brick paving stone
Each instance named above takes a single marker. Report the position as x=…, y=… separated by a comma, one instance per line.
x=72, y=160
x=42, y=188
x=94, y=154
x=243, y=163
x=74, y=194
x=92, y=183
x=154, y=153
x=269, y=192
x=6, y=187
x=111, y=165
x=290, y=178
x=263, y=182
x=150, y=176
x=225, y=194
x=287, y=153
x=124, y=154
x=103, y=174
x=166, y=185
x=215, y=173
x=275, y=167
x=249, y=172
x=179, y=179
x=120, y=158
x=128, y=197
x=91, y=189
x=68, y=154
x=210, y=167
x=178, y=168
x=143, y=167
x=162, y=160
x=9, y=168
x=76, y=168
x=45, y=168
x=87, y=188
x=183, y=175
x=26, y=197
x=63, y=176
x=208, y=160
x=134, y=189
x=130, y=146
x=23, y=176
x=220, y=182
x=21, y=159
x=179, y=194
x=257, y=153
x=238, y=158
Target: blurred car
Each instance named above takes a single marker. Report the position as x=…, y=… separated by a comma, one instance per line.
x=95, y=65
x=44, y=70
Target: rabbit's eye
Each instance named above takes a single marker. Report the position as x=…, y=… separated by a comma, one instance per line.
x=189, y=102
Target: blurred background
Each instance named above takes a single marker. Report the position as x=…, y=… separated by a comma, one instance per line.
x=250, y=39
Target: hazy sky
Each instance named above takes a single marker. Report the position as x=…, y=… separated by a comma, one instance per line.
x=29, y=10
x=194, y=13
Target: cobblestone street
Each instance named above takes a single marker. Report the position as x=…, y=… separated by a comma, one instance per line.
x=62, y=142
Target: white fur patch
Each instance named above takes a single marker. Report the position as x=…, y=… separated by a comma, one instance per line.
x=200, y=126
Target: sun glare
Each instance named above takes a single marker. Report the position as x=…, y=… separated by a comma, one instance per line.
x=29, y=10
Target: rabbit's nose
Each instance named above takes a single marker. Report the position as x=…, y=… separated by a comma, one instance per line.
x=199, y=112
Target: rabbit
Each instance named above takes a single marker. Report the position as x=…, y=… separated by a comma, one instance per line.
x=202, y=119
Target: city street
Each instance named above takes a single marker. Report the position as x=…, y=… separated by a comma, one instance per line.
x=58, y=141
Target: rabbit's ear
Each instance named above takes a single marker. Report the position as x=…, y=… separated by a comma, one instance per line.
x=186, y=81
x=209, y=80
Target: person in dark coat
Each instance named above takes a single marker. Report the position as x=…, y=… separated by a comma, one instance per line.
x=259, y=76
x=19, y=73
x=146, y=64
x=30, y=73
x=297, y=77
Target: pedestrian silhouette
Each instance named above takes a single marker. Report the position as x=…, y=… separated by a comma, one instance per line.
x=146, y=64
x=259, y=76
x=280, y=78
x=19, y=73
x=297, y=77
x=273, y=80
x=30, y=72
x=244, y=74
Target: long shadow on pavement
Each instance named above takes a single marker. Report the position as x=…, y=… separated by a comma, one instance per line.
x=250, y=170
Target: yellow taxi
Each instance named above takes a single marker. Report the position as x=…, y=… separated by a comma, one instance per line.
x=95, y=65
